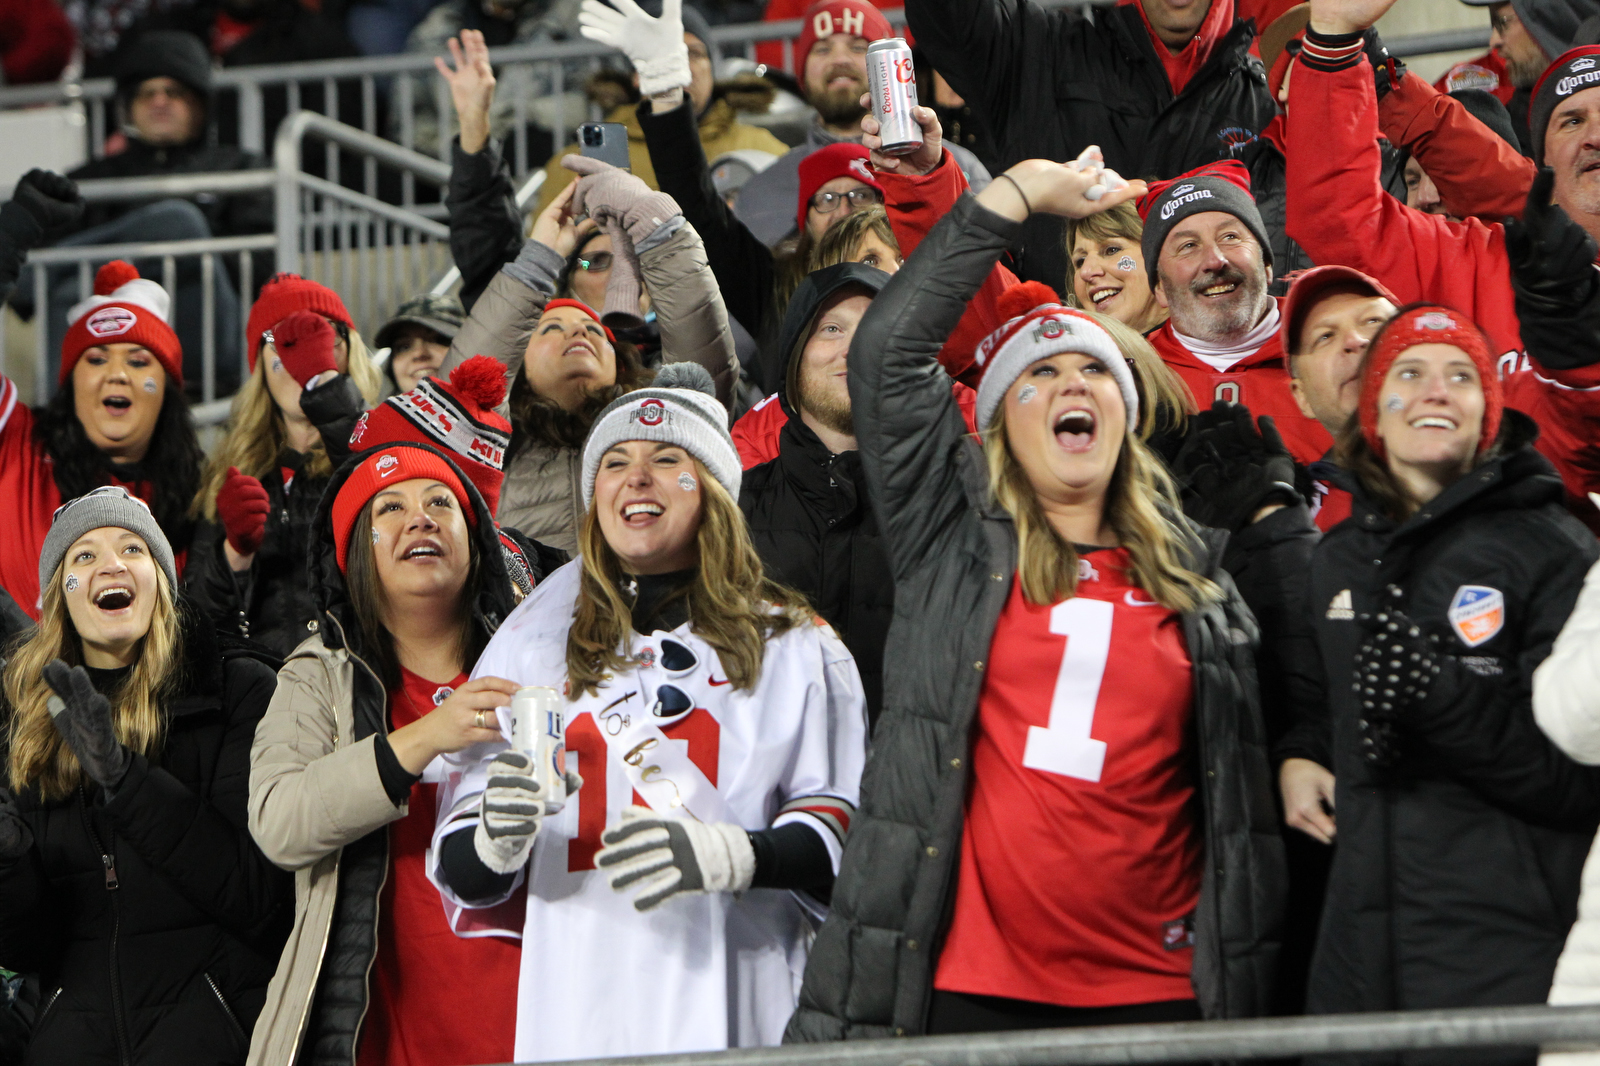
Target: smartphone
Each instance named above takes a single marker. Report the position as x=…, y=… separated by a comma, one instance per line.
x=605, y=141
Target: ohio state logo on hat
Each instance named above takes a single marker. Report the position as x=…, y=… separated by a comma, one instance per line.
x=860, y=167
x=111, y=321
x=651, y=412
x=387, y=465
x=1050, y=329
x=1435, y=320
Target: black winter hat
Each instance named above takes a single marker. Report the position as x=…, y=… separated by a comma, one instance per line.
x=163, y=54
x=1577, y=69
x=1223, y=186
x=1487, y=109
x=814, y=290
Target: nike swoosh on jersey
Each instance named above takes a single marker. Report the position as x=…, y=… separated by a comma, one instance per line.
x=724, y=681
x=1127, y=597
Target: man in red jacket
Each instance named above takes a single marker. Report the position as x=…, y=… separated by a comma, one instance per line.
x=1339, y=213
x=1206, y=249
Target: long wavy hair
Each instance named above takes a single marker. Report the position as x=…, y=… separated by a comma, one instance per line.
x=1141, y=506
x=258, y=432
x=171, y=464
x=733, y=605
x=537, y=419
x=38, y=758
x=367, y=599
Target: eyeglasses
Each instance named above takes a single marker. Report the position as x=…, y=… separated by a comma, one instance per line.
x=826, y=203
x=597, y=262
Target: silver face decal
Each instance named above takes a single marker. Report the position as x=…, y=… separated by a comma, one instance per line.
x=1027, y=393
x=686, y=482
x=1127, y=265
x=150, y=385
x=376, y=536
x=1394, y=402
x=72, y=583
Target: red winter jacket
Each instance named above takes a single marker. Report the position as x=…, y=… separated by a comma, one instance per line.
x=28, y=485
x=1339, y=213
x=1259, y=381
x=755, y=434
x=915, y=204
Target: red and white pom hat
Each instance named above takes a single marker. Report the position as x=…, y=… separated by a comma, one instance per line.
x=125, y=309
x=1039, y=325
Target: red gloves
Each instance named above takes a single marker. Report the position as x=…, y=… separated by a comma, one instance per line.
x=304, y=341
x=242, y=505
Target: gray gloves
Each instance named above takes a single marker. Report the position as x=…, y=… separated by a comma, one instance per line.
x=83, y=718
x=511, y=812
x=15, y=836
x=607, y=192
x=665, y=857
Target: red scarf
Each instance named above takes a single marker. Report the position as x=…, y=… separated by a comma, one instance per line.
x=1186, y=64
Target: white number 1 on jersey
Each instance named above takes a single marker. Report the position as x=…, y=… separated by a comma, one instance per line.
x=1066, y=747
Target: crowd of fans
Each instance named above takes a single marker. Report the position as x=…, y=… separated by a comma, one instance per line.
x=1136, y=564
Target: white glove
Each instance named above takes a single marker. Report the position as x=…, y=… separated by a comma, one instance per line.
x=653, y=45
x=666, y=856
x=511, y=811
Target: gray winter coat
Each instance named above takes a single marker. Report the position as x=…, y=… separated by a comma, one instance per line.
x=953, y=553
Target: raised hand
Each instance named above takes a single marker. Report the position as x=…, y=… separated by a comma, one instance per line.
x=559, y=227
x=654, y=46
x=1333, y=17
x=471, y=87
x=1071, y=190
x=922, y=160
x=83, y=718
x=605, y=191
x=50, y=199
x=243, y=506
x=304, y=343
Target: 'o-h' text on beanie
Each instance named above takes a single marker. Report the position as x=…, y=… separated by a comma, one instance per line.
x=282, y=296
x=680, y=407
x=843, y=160
x=125, y=309
x=386, y=466
x=108, y=505
x=1577, y=69
x=454, y=416
x=1428, y=324
x=1038, y=325
x=859, y=18
x=1223, y=186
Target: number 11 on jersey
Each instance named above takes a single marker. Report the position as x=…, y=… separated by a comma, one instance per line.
x=1065, y=746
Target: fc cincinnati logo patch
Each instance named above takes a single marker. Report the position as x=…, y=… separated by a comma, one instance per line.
x=1477, y=613
x=111, y=322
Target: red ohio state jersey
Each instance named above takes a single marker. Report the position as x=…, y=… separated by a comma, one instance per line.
x=1259, y=381
x=1080, y=860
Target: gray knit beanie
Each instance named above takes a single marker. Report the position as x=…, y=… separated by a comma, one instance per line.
x=680, y=407
x=108, y=505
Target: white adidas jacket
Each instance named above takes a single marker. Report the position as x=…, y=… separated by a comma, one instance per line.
x=1566, y=704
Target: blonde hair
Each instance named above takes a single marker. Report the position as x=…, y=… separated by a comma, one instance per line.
x=843, y=239
x=39, y=758
x=733, y=605
x=1165, y=402
x=1120, y=223
x=257, y=431
x=1141, y=506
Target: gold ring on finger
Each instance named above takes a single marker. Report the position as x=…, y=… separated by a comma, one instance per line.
x=481, y=723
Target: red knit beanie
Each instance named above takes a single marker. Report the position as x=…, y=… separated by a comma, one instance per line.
x=125, y=309
x=454, y=416
x=282, y=296
x=859, y=18
x=581, y=306
x=384, y=467
x=843, y=160
x=1428, y=324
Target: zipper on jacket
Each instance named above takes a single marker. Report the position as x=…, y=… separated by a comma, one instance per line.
x=377, y=920
x=109, y=862
x=233, y=1019
x=50, y=1005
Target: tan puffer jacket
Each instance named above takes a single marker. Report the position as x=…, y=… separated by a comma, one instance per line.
x=542, y=496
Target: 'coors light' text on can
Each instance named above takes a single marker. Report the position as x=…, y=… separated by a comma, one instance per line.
x=892, y=83
x=537, y=730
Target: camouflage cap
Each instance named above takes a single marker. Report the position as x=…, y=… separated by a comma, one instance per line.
x=441, y=313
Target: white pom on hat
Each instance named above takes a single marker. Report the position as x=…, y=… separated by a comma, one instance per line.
x=118, y=282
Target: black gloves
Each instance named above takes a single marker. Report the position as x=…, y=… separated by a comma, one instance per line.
x=42, y=204
x=1396, y=668
x=1387, y=70
x=1553, y=276
x=83, y=718
x=1229, y=471
x=15, y=836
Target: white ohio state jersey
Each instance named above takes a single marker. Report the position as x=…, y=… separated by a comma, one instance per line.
x=700, y=972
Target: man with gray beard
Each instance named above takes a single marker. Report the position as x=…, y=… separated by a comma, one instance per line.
x=1209, y=261
x=808, y=510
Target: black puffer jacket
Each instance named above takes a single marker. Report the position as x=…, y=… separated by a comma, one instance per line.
x=339, y=1002
x=1050, y=83
x=1456, y=874
x=953, y=555
x=274, y=601
x=808, y=510
x=153, y=919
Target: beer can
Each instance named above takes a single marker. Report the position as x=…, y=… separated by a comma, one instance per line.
x=538, y=732
x=892, y=84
